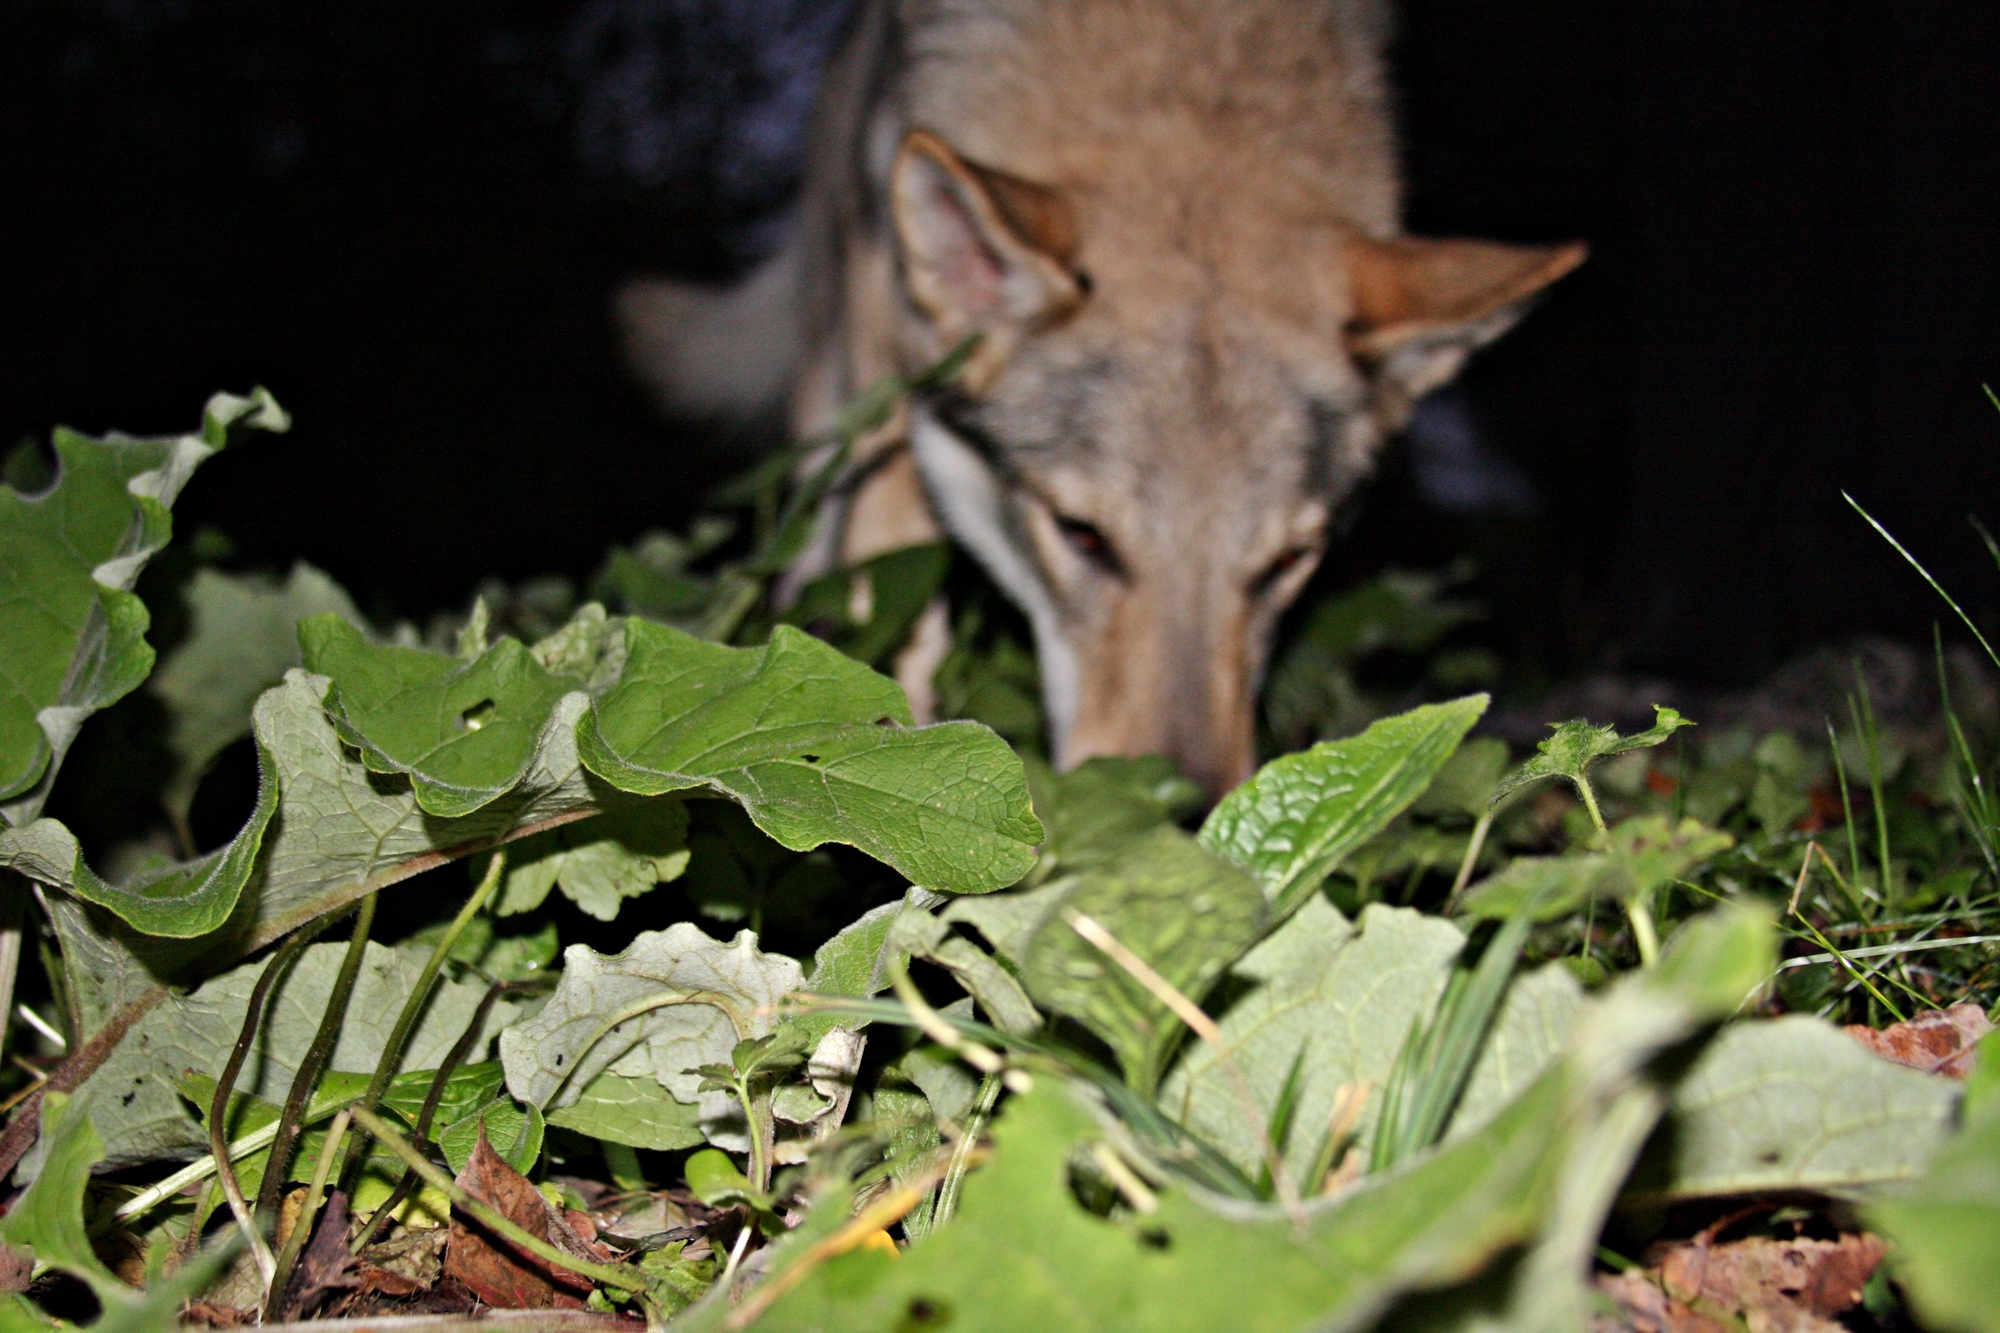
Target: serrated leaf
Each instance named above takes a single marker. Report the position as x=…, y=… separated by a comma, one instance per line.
x=464, y=733
x=48, y=1218
x=1575, y=746
x=1795, y=1104
x=1182, y=909
x=242, y=638
x=599, y=862
x=637, y=1112
x=134, y=1094
x=72, y=635
x=707, y=997
x=1292, y=822
x=817, y=748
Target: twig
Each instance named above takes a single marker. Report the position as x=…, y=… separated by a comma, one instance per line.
x=1471, y=861
x=314, y=1061
x=1204, y=1027
x=420, y=994
x=1805, y=869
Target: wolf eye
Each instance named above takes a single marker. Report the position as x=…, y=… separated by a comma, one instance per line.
x=1277, y=569
x=1090, y=543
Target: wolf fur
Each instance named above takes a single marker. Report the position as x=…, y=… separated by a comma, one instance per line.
x=1175, y=227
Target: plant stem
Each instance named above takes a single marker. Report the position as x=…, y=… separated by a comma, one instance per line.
x=961, y=1152
x=302, y=1229
x=1847, y=814
x=1471, y=861
x=13, y=914
x=1873, y=737
x=315, y=1060
x=218, y=1110
x=439, y=1081
x=1643, y=934
x=623, y=1279
x=760, y=1149
x=1590, y=804
x=420, y=994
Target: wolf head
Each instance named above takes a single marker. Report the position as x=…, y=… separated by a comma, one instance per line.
x=1178, y=376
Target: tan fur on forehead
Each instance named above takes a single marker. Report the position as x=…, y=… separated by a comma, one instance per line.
x=1280, y=101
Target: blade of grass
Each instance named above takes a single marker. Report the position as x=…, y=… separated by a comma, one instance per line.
x=1871, y=738
x=1847, y=818
x=1935, y=585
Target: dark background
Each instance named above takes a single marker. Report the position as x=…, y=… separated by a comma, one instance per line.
x=406, y=220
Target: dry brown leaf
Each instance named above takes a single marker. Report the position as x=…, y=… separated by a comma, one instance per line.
x=1766, y=1285
x=1940, y=1041
x=492, y=1268
x=325, y=1265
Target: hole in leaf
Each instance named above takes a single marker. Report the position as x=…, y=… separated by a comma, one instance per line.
x=1156, y=1238
x=477, y=716
x=810, y=758
x=921, y=1314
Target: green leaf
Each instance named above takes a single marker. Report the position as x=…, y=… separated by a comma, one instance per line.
x=1344, y=995
x=48, y=1218
x=1644, y=854
x=1091, y=811
x=72, y=635
x=673, y=1001
x=469, y=1087
x=1291, y=824
x=1575, y=746
x=242, y=637
x=1795, y=1104
x=1186, y=912
x=713, y=1178
x=599, y=862
x=177, y=901
x=867, y=611
x=134, y=1095
x=1947, y=1231
x=1020, y=1252
x=515, y=1134
x=817, y=748
x=637, y=1112
x=464, y=733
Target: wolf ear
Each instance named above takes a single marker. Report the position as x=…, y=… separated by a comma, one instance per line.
x=1421, y=306
x=982, y=252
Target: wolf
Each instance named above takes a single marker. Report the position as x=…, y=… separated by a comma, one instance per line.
x=1174, y=227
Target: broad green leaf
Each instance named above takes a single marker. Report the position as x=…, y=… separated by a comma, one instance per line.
x=469, y=1087
x=47, y=1219
x=515, y=1134
x=1091, y=811
x=134, y=1096
x=1577, y=745
x=1466, y=783
x=817, y=748
x=72, y=635
x=464, y=733
x=637, y=1112
x=599, y=862
x=243, y=635
x=1644, y=854
x=1186, y=912
x=1795, y=1104
x=1947, y=1231
x=1982, y=1085
x=918, y=934
x=1534, y=1024
x=1292, y=822
x=867, y=611
x=178, y=901
x=673, y=1001
x=1344, y=995
x=853, y=963
x=1020, y=1252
